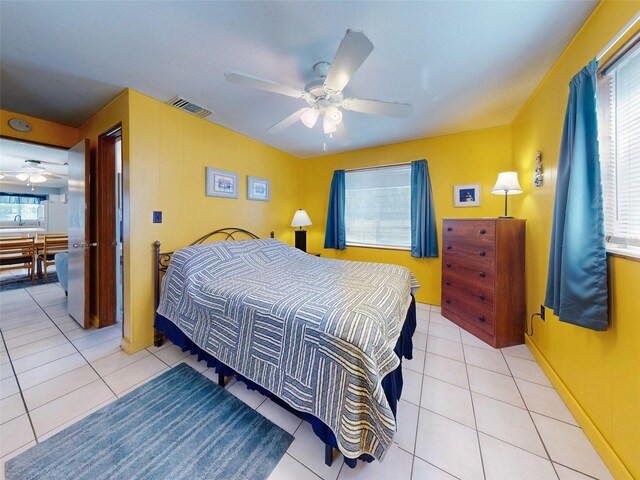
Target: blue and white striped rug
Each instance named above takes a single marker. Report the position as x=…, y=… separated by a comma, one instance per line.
x=179, y=425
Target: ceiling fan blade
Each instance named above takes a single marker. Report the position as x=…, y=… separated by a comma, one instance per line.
x=341, y=135
x=264, y=84
x=377, y=107
x=287, y=122
x=53, y=175
x=352, y=52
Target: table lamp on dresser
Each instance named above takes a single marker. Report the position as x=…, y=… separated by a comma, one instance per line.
x=301, y=219
x=507, y=184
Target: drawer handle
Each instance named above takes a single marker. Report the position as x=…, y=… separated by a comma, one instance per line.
x=448, y=247
x=448, y=282
x=481, y=318
x=481, y=274
x=448, y=301
x=481, y=296
x=482, y=231
x=448, y=265
x=482, y=253
x=449, y=229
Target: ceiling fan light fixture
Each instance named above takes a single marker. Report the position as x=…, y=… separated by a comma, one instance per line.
x=310, y=117
x=23, y=177
x=38, y=178
x=327, y=126
x=333, y=115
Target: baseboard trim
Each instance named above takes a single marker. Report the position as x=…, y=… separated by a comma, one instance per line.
x=609, y=456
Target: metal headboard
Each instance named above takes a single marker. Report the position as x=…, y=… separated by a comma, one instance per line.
x=161, y=259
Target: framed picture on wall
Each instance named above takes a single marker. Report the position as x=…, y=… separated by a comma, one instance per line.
x=221, y=183
x=258, y=189
x=466, y=195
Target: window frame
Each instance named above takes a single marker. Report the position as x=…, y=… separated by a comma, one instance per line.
x=375, y=245
x=618, y=249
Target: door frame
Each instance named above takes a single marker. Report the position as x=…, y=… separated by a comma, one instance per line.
x=104, y=278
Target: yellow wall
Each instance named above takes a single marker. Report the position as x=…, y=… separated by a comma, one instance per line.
x=471, y=157
x=42, y=131
x=601, y=370
x=168, y=153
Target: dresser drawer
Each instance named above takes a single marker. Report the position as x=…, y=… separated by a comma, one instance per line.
x=479, y=253
x=468, y=308
x=479, y=271
x=481, y=290
x=469, y=230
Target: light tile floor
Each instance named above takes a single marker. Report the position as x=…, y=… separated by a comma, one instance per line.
x=467, y=411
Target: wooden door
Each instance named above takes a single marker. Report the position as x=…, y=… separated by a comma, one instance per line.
x=106, y=227
x=79, y=232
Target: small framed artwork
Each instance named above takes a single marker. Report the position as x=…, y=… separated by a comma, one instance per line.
x=466, y=195
x=221, y=183
x=258, y=189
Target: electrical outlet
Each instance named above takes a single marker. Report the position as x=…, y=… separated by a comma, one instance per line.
x=157, y=217
x=542, y=312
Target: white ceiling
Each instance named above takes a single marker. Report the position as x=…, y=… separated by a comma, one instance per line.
x=13, y=154
x=463, y=65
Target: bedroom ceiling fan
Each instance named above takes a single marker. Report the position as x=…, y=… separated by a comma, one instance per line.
x=324, y=95
x=33, y=171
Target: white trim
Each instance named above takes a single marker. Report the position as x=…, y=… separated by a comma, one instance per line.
x=384, y=247
x=623, y=250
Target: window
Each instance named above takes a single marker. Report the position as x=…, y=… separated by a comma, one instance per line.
x=619, y=91
x=25, y=205
x=378, y=207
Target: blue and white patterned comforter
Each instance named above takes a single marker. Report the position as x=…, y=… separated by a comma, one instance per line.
x=319, y=333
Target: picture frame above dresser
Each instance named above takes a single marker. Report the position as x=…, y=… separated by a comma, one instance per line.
x=483, y=275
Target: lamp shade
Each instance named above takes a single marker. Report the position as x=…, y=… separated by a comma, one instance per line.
x=310, y=117
x=301, y=219
x=507, y=184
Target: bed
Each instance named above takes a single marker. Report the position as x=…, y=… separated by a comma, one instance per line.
x=322, y=337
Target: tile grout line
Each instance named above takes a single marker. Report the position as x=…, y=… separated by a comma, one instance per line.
x=24, y=403
x=544, y=445
x=424, y=367
x=473, y=408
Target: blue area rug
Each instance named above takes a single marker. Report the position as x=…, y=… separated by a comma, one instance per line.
x=179, y=425
x=24, y=281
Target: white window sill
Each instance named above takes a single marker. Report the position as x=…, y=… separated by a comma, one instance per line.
x=381, y=247
x=624, y=251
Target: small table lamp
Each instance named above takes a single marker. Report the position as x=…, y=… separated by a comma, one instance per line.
x=507, y=184
x=301, y=219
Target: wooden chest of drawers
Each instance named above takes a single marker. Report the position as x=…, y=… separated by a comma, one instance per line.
x=483, y=278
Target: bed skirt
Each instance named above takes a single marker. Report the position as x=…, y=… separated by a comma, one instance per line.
x=391, y=383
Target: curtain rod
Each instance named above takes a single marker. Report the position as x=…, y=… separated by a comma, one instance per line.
x=377, y=166
x=621, y=34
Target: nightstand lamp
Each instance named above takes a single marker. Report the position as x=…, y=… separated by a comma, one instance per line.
x=507, y=184
x=301, y=219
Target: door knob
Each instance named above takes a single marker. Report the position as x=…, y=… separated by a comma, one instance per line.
x=94, y=244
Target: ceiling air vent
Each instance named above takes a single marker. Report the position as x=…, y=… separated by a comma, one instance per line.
x=187, y=106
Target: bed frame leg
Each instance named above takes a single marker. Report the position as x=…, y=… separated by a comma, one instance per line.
x=221, y=378
x=158, y=338
x=328, y=454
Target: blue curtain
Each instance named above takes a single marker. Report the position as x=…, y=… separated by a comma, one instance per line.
x=336, y=233
x=22, y=198
x=424, y=238
x=577, y=278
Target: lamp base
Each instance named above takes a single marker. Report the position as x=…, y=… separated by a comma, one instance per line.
x=505, y=216
x=301, y=240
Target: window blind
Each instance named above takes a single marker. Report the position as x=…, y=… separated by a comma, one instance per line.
x=378, y=206
x=619, y=91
